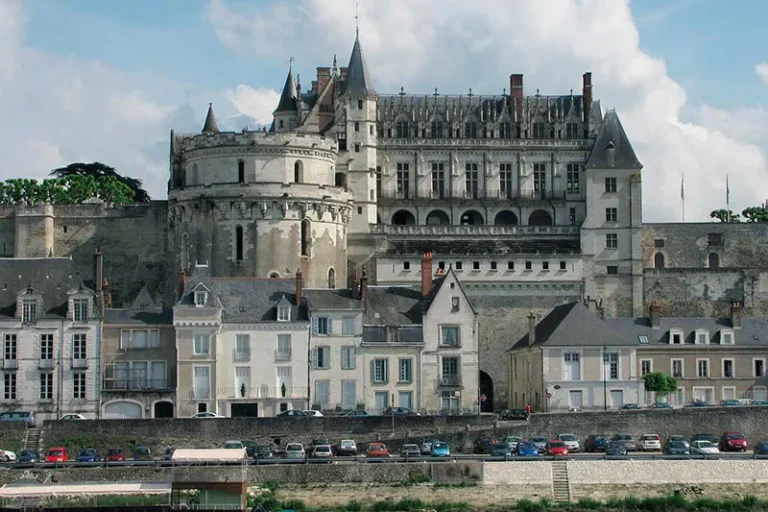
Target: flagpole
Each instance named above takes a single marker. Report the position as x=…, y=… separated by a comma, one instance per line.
x=728, y=197
x=682, y=194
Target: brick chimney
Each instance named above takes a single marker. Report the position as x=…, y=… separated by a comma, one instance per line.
x=364, y=293
x=516, y=92
x=98, y=279
x=655, y=314
x=586, y=93
x=355, y=285
x=531, y=328
x=182, y=283
x=299, y=287
x=426, y=274
x=736, y=315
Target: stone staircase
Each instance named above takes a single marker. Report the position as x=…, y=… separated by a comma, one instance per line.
x=32, y=440
x=561, y=486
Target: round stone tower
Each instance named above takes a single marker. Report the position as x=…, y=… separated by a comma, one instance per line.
x=258, y=203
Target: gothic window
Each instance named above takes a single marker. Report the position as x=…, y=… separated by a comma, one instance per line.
x=403, y=179
x=402, y=130
x=240, y=171
x=572, y=179
x=539, y=131
x=437, y=130
x=298, y=172
x=306, y=234
x=658, y=260
x=540, y=180
x=331, y=278
x=572, y=131
x=505, y=181
x=505, y=130
x=714, y=260
x=470, y=130
x=239, y=243
x=438, y=180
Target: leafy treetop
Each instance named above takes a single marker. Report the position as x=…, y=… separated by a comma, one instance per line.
x=70, y=190
x=660, y=383
x=98, y=170
x=750, y=214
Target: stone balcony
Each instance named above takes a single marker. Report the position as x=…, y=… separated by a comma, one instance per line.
x=439, y=230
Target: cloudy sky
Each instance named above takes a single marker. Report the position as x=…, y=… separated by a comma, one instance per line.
x=85, y=80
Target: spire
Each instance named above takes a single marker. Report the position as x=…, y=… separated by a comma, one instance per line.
x=210, y=125
x=289, y=96
x=358, y=81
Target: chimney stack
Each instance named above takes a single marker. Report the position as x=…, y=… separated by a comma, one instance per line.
x=364, y=292
x=516, y=92
x=182, y=283
x=98, y=280
x=426, y=274
x=586, y=93
x=736, y=315
x=531, y=329
x=655, y=312
x=299, y=290
x=355, y=285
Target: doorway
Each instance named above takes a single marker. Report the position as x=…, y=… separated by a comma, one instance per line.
x=486, y=389
x=163, y=410
x=617, y=398
x=245, y=410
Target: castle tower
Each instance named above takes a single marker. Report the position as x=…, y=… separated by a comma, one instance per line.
x=359, y=102
x=287, y=112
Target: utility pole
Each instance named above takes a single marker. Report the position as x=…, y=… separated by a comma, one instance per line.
x=605, y=381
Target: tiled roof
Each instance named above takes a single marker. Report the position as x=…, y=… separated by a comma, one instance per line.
x=255, y=300
x=394, y=305
x=332, y=299
x=612, y=149
x=357, y=80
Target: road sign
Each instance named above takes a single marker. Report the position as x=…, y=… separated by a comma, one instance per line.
x=483, y=398
x=549, y=395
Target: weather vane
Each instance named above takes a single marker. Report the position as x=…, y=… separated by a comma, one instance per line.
x=357, y=17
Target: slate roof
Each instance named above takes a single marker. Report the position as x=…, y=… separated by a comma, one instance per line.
x=469, y=246
x=753, y=331
x=331, y=299
x=126, y=316
x=358, y=81
x=210, y=125
x=612, y=149
x=52, y=277
x=249, y=300
x=288, y=97
x=395, y=305
x=574, y=325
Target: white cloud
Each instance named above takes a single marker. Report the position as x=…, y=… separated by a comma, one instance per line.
x=762, y=71
x=457, y=44
x=258, y=104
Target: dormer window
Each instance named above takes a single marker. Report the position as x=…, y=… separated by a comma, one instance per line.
x=283, y=313
x=29, y=311
x=675, y=337
x=201, y=298
x=726, y=337
x=702, y=337
x=80, y=310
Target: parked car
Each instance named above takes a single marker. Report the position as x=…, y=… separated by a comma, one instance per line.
x=203, y=415
x=630, y=443
x=760, y=402
x=72, y=417
x=699, y=403
x=761, y=448
x=263, y=451
x=7, y=456
x=705, y=437
x=650, y=443
x=168, y=453
x=512, y=442
x=596, y=443
x=528, y=449
x=503, y=450
x=233, y=445
x=88, y=455
x=410, y=451
x=292, y=412
x=730, y=403
x=29, y=456
x=250, y=448
x=440, y=449
x=26, y=416
x=399, y=411
x=514, y=415
x=322, y=451
x=142, y=453
x=661, y=405
x=616, y=449
x=484, y=445
x=733, y=442
x=115, y=455
x=541, y=443
x=571, y=441
x=627, y=407
x=312, y=413
x=682, y=439
x=676, y=448
x=704, y=448
x=357, y=412
x=295, y=451
x=57, y=454
x=376, y=450
x=426, y=446
x=347, y=448
x=557, y=448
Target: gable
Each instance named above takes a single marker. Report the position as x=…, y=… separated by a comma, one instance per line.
x=448, y=300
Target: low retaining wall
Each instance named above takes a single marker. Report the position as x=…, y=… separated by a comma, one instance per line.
x=668, y=471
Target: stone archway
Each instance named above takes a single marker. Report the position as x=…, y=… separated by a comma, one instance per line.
x=438, y=217
x=486, y=388
x=403, y=218
x=163, y=409
x=505, y=218
x=540, y=218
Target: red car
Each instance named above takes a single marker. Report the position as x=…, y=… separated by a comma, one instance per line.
x=57, y=454
x=557, y=448
x=733, y=442
x=377, y=450
x=115, y=455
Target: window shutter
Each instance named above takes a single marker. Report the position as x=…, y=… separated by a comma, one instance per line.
x=327, y=358
x=352, y=358
x=373, y=371
x=329, y=323
x=314, y=358
x=386, y=370
x=314, y=325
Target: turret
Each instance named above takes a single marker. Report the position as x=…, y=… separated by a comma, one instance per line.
x=210, y=125
x=287, y=112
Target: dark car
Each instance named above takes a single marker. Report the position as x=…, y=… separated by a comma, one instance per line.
x=263, y=451
x=676, y=448
x=250, y=448
x=28, y=456
x=168, y=453
x=730, y=403
x=399, y=411
x=292, y=412
x=628, y=407
x=761, y=448
x=88, y=455
x=357, y=413
x=630, y=443
x=705, y=437
x=596, y=443
x=484, y=445
x=661, y=405
x=142, y=453
x=501, y=450
x=699, y=403
x=733, y=442
x=616, y=449
x=514, y=415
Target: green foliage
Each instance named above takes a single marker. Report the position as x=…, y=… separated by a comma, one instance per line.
x=724, y=215
x=589, y=504
x=529, y=506
x=660, y=383
x=755, y=214
x=98, y=170
x=68, y=190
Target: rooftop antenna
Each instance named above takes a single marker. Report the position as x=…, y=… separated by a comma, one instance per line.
x=357, y=18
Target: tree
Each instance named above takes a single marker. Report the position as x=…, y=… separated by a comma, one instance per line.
x=724, y=215
x=660, y=383
x=73, y=189
x=755, y=214
x=97, y=170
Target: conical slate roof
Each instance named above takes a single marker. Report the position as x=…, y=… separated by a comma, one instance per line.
x=612, y=149
x=210, y=125
x=358, y=81
x=288, y=97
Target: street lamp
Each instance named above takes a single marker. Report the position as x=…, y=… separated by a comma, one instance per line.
x=605, y=381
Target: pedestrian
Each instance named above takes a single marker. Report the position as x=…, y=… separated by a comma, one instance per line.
x=528, y=408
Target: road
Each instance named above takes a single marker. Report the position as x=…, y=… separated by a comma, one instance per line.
x=640, y=456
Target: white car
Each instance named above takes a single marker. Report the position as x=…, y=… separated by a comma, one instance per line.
x=704, y=448
x=312, y=412
x=295, y=451
x=650, y=442
x=513, y=442
x=7, y=456
x=72, y=417
x=571, y=442
x=207, y=415
x=322, y=451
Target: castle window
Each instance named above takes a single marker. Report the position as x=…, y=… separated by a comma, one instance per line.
x=201, y=298
x=340, y=179
x=298, y=172
x=714, y=260
x=612, y=270
x=539, y=131
x=370, y=129
x=306, y=233
x=331, y=278
x=357, y=148
x=239, y=243
x=658, y=260
x=715, y=240
x=360, y=104
x=658, y=243
x=240, y=171
x=281, y=123
x=357, y=126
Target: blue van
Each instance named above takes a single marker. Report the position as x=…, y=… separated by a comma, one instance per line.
x=26, y=416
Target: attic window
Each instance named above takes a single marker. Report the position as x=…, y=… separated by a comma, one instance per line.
x=283, y=313
x=675, y=337
x=201, y=298
x=726, y=337
x=454, y=304
x=642, y=339
x=29, y=311
x=702, y=337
